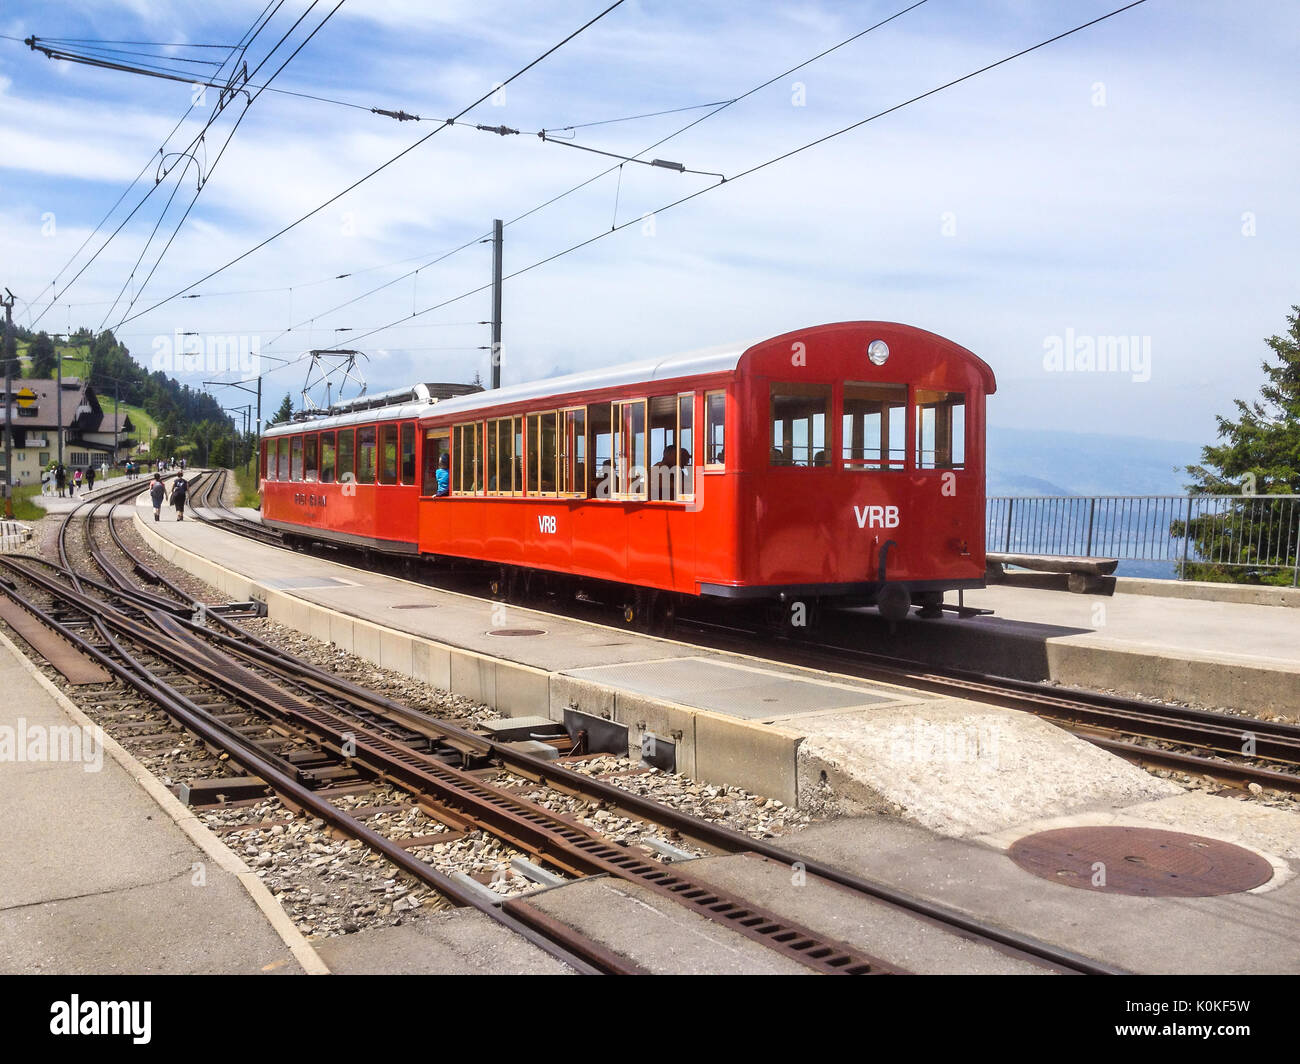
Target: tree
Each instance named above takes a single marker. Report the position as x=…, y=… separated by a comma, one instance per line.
x=1259, y=456
x=42, y=357
x=285, y=412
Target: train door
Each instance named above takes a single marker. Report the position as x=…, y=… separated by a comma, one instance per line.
x=434, y=447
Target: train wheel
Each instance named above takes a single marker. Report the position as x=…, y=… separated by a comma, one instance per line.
x=663, y=614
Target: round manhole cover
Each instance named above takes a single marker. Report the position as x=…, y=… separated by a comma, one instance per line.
x=517, y=631
x=1146, y=862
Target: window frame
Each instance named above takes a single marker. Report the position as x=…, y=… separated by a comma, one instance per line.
x=534, y=458
x=916, y=409
x=327, y=439
x=429, y=473
x=711, y=466
x=884, y=464
x=350, y=470
x=373, y=430
x=563, y=457
x=406, y=433
x=463, y=464
x=624, y=463
x=311, y=457
x=385, y=437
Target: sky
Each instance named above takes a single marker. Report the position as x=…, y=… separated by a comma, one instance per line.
x=1129, y=190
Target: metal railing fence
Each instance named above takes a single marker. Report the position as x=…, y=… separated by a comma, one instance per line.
x=1195, y=532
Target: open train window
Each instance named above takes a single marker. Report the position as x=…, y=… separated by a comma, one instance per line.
x=572, y=457
x=347, y=473
x=366, y=455
x=388, y=454
x=671, y=422
x=940, y=429
x=600, y=475
x=630, y=449
x=799, y=417
x=542, y=452
x=327, y=458
x=874, y=426
x=408, y=452
x=437, y=442
x=295, y=460
x=282, y=459
x=310, y=457
x=465, y=459
x=715, y=429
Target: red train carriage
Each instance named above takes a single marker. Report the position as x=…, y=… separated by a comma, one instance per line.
x=841, y=461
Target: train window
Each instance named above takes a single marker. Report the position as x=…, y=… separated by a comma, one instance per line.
x=663, y=442
x=685, y=479
x=310, y=457
x=437, y=442
x=327, y=458
x=282, y=459
x=542, y=440
x=366, y=455
x=573, y=453
x=874, y=426
x=600, y=474
x=940, y=429
x=630, y=453
x=295, y=461
x=799, y=420
x=388, y=454
x=408, y=452
x=505, y=456
x=465, y=459
x=346, y=457
x=715, y=428
x=268, y=459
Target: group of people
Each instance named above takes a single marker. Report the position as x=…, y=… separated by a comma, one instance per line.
x=158, y=493
x=56, y=481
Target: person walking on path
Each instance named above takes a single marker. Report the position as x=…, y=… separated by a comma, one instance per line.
x=157, y=493
x=179, y=489
x=76, y=481
x=90, y=479
x=60, y=479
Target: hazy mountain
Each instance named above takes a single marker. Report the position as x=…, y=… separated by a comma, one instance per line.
x=1048, y=462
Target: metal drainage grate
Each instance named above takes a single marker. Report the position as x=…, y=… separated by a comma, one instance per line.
x=415, y=606
x=1146, y=862
x=516, y=631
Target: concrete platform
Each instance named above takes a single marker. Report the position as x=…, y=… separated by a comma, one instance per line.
x=1235, y=654
x=104, y=871
x=1254, y=932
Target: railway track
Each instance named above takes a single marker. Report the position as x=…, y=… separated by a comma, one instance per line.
x=1236, y=750
x=303, y=733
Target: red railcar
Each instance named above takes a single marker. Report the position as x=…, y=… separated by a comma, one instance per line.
x=841, y=461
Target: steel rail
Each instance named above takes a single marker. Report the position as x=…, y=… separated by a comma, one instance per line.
x=244, y=752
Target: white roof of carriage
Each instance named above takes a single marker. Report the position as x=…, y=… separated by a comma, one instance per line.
x=691, y=364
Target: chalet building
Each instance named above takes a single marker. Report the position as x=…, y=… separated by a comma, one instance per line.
x=90, y=435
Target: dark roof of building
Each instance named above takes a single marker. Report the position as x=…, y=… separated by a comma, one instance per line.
x=79, y=400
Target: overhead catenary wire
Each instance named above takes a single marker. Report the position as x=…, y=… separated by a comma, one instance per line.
x=767, y=163
x=248, y=106
x=382, y=166
x=247, y=39
x=619, y=166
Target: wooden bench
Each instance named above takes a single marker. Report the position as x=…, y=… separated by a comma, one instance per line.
x=1082, y=574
